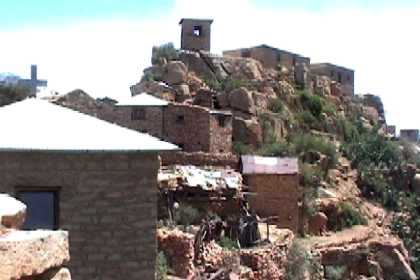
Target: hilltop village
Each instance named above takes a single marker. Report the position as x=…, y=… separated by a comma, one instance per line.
x=253, y=164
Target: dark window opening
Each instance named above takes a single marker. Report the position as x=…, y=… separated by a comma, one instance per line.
x=216, y=103
x=221, y=120
x=197, y=30
x=340, y=80
x=181, y=145
x=332, y=73
x=138, y=114
x=42, y=209
x=180, y=119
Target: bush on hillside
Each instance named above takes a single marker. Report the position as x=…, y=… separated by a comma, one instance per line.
x=313, y=103
x=166, y=51
x=304, y=143
x=161, y=266
x=276, y=106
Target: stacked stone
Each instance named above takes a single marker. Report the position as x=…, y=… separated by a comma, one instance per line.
x=29, y=255
x=178, y=247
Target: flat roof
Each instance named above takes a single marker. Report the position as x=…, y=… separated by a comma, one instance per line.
x=195, y=19
x=271, y=48
x=269, y=165
x=323, y=64
x=143, y=99
x=38, y=125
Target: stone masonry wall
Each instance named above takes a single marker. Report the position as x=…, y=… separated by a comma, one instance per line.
x=276, y=195
x=220, y=133
x=188, y=127
x=106, y=202
x=152, y=123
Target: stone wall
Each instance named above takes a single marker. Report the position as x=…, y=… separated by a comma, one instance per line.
x=106, y=202
x=195, y=129
x=200, y=159
x=152, y=122
x=189, y=41
x=276, y=195
x=220, y=133
x=336, y=73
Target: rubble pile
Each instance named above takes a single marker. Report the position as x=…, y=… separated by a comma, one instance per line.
x=382, y=259
x=178, y=247
x=29, y=255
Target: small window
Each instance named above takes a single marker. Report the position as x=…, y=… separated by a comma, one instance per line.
x=221, y=120
x=180, y=119
x=332, y=73
x=340, y=80
x=138, y=114
x=42, y=209
x=197, y=30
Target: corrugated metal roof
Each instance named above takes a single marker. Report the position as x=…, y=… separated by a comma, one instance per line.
x=38, y=125
x=269, y=165
x=209, y=179
x=143, y=99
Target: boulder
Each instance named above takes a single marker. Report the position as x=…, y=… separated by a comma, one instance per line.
x=284, y=89
x=241, y=99
x=243, y=68
x=247, y=131
x=55, y=274
x=158, y=89
x=196, y=64
x=318, y=224
x=12, y=212
x=28, y=253
x=175, y=73
x=182, y=92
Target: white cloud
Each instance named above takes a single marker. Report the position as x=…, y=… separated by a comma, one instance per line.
x=106, y=57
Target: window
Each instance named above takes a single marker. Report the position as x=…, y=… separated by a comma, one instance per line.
x=42, y=209
x=332, y=73
x=340, y=80
x=180, y=119
x=197, y=30
x=138, y=114
x=221, y=120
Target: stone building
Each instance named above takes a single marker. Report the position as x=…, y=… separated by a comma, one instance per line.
x=411, y=135
x=195, y=34
x=92, y=178
x=143, y=113
x=195, y=128
x=274, y=183
x=336, y=73
x=271, y=57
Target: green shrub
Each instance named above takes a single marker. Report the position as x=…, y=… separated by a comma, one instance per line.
x=335, y=272
x=166, y=51
x=228, y=243
x=329, y=108
x=186, y=215
x=161, y=267
x=300, y=263
x=276, y=149
x=241, y=148
x=406, y=224
x=277, y=106
x=349, y=217
x=307, y=120
x=313, y=103
x=311, y=176
x=304, y=143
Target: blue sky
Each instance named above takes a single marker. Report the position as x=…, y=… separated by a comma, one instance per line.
x=102, y=46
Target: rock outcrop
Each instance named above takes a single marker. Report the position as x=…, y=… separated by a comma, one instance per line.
x=29, y=255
